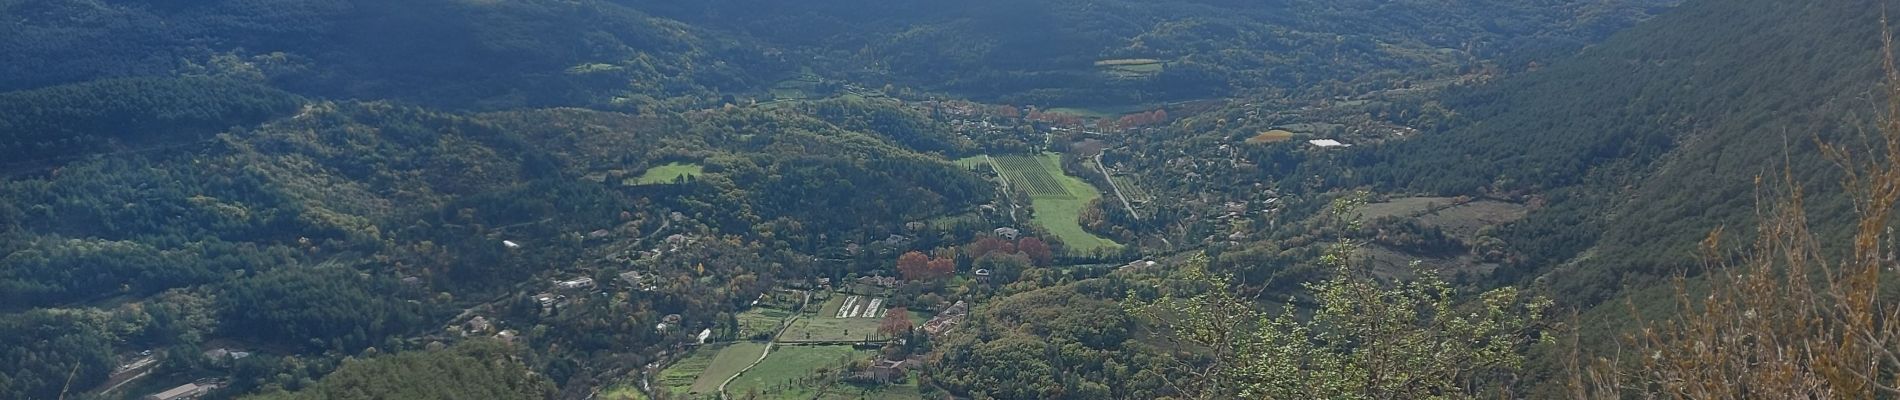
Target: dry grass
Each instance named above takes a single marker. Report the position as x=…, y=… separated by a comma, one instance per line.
x=1272, y=136
x=1783, y=319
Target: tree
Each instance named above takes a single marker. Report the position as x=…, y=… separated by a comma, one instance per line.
x=896, y=322
x=986, y=245
x=1365, y=340
x=1037, y=250
x=942, y=268
x=913, y=265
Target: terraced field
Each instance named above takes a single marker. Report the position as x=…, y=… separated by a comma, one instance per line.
x=1134, y=191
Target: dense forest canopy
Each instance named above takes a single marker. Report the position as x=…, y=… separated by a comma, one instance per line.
x=990, y=199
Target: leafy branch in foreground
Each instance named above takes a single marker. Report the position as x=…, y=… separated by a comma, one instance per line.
x=1784, y=319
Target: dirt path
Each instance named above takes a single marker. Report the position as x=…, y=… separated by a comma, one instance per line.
x=755, y=363
x=768, y=351
x=1006, y=193
x=1113, y=186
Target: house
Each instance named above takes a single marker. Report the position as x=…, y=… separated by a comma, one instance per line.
x=1008, y=232
x=510, y=244
x=877, y=280
x=947, y=319
x=981, y=273
x=476, y=325
x=635, y=279
x=576, y=283
x=221, y=354
x=182, y=392
x=887, y=370
x=545, y=299
x=1326, y=143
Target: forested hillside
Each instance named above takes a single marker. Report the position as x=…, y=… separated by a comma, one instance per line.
x=997, y=199
x=1640, y=146
x=462, y=54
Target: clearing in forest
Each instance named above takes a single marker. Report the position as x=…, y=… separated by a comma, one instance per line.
x=1131, y=67
x=1271, y=136
x=669, y=172
x=1057, y=197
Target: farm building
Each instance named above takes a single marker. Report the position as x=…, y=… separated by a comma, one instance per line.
x=182, y=392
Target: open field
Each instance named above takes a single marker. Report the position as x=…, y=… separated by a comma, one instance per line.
x=1058, y=198
x=781, y=371
x=667, y=173
x=906, y=391
x=760, y=322
x=679, y=377
x=729, y=362
x=973, y=162
x=1270, y=136
x=1465, y=220
x=1403, y=207
x=827, y=326
x=1109, y=111
x=1131, y=67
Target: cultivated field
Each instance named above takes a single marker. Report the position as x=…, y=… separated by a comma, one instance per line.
x=1058, y=198
x=667, y=173
x=729, y=362
x=789, y=371
x=679, y=377
x=843, y=318
x=1129, y=188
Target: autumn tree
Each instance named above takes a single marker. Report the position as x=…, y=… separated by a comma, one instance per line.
x=988, y=244
x=941, y=268
x=896, y=322
x=913, y=265
x=1037, y=250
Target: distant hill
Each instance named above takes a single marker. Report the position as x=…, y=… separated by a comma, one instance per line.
x=441, y=52
x=1044, y=51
